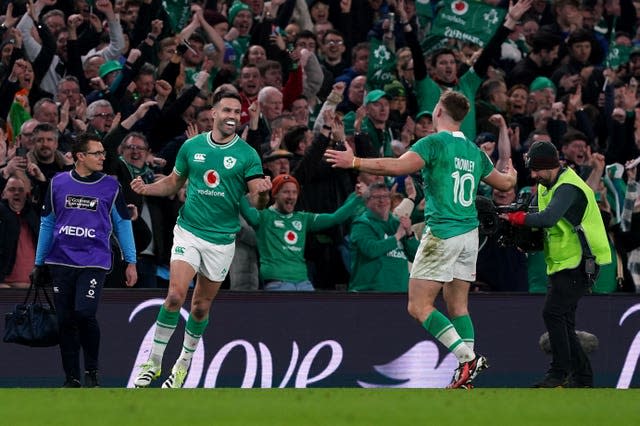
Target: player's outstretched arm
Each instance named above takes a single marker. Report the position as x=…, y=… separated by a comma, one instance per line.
x=164, y=187
x=408, y=163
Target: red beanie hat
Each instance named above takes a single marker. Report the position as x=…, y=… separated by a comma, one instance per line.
x=278, y=181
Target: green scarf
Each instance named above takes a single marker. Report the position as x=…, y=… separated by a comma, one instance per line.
x=145, y=171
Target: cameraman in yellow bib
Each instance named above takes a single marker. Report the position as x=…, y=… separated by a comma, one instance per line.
x=575, y=245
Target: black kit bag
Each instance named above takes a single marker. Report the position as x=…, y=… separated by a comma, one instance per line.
x=33, y=323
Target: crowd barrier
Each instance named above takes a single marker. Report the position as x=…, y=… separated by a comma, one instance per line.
x=335, y=340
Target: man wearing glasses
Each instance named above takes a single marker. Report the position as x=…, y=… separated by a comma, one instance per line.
x=82, y=208
x=333, y=48
x=381, y=245
x=100, y=116
x=127, y=153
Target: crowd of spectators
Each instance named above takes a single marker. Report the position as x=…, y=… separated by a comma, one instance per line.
x=140, y=74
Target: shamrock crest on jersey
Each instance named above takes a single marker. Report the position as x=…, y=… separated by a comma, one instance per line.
x=229, y=162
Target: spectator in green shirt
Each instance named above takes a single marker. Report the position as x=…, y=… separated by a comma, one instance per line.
x=281, y=233
x=381, y=245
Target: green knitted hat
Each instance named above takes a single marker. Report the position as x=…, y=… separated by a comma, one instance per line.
x=236, y=7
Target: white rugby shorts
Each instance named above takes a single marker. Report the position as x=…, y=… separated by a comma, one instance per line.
x=209, y=259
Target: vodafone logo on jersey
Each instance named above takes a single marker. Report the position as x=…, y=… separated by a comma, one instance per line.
x=290, y=237
x=211, y=178
x=459, y=7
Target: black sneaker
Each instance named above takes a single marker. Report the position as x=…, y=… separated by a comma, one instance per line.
x=551, y=382
x=91, y=379
x=72, y=382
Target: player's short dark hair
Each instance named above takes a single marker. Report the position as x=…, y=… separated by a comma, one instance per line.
x=456, y=104
x=225, y=94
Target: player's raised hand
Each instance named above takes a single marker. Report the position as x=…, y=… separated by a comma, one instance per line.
x=341, y=159
x=264, y=185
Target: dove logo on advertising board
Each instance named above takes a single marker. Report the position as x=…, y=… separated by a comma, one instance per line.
x=633, y=354
x=419, y=367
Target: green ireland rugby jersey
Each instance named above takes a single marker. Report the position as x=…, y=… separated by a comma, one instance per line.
x=452, y=172
x=218, y=176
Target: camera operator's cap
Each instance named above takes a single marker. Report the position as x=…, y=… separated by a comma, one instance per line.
x=236, y=7
x=542, y=156
x=109, y=66
x=485, y=137
x=276, y=154
x=542, y=83
x=375, y=96
x=280, y=180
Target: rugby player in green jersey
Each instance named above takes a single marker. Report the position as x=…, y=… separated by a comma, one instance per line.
x=452, y=167
x=221, y=168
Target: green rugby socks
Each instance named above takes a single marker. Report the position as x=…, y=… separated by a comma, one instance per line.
x=165, y=326
x=464, y=327
x=192, y=334
x=443, y=330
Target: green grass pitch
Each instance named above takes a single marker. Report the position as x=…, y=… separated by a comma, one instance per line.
x=121, y=407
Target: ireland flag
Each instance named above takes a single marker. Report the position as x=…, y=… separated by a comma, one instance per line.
x=179, y=12
x=467, y=21
x=382, y=64
x=618, y=55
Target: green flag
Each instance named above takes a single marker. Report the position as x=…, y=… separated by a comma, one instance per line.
x=618, y=55
x=382, y=64
x=179, y=12
x=467, y=21
x=423, y=8
x=432, y=42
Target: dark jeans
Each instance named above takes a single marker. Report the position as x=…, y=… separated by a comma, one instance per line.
x=565, y=290
x=76, y=294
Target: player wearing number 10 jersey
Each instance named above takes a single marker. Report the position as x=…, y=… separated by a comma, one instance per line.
x=452, y=171
x=452, y=168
